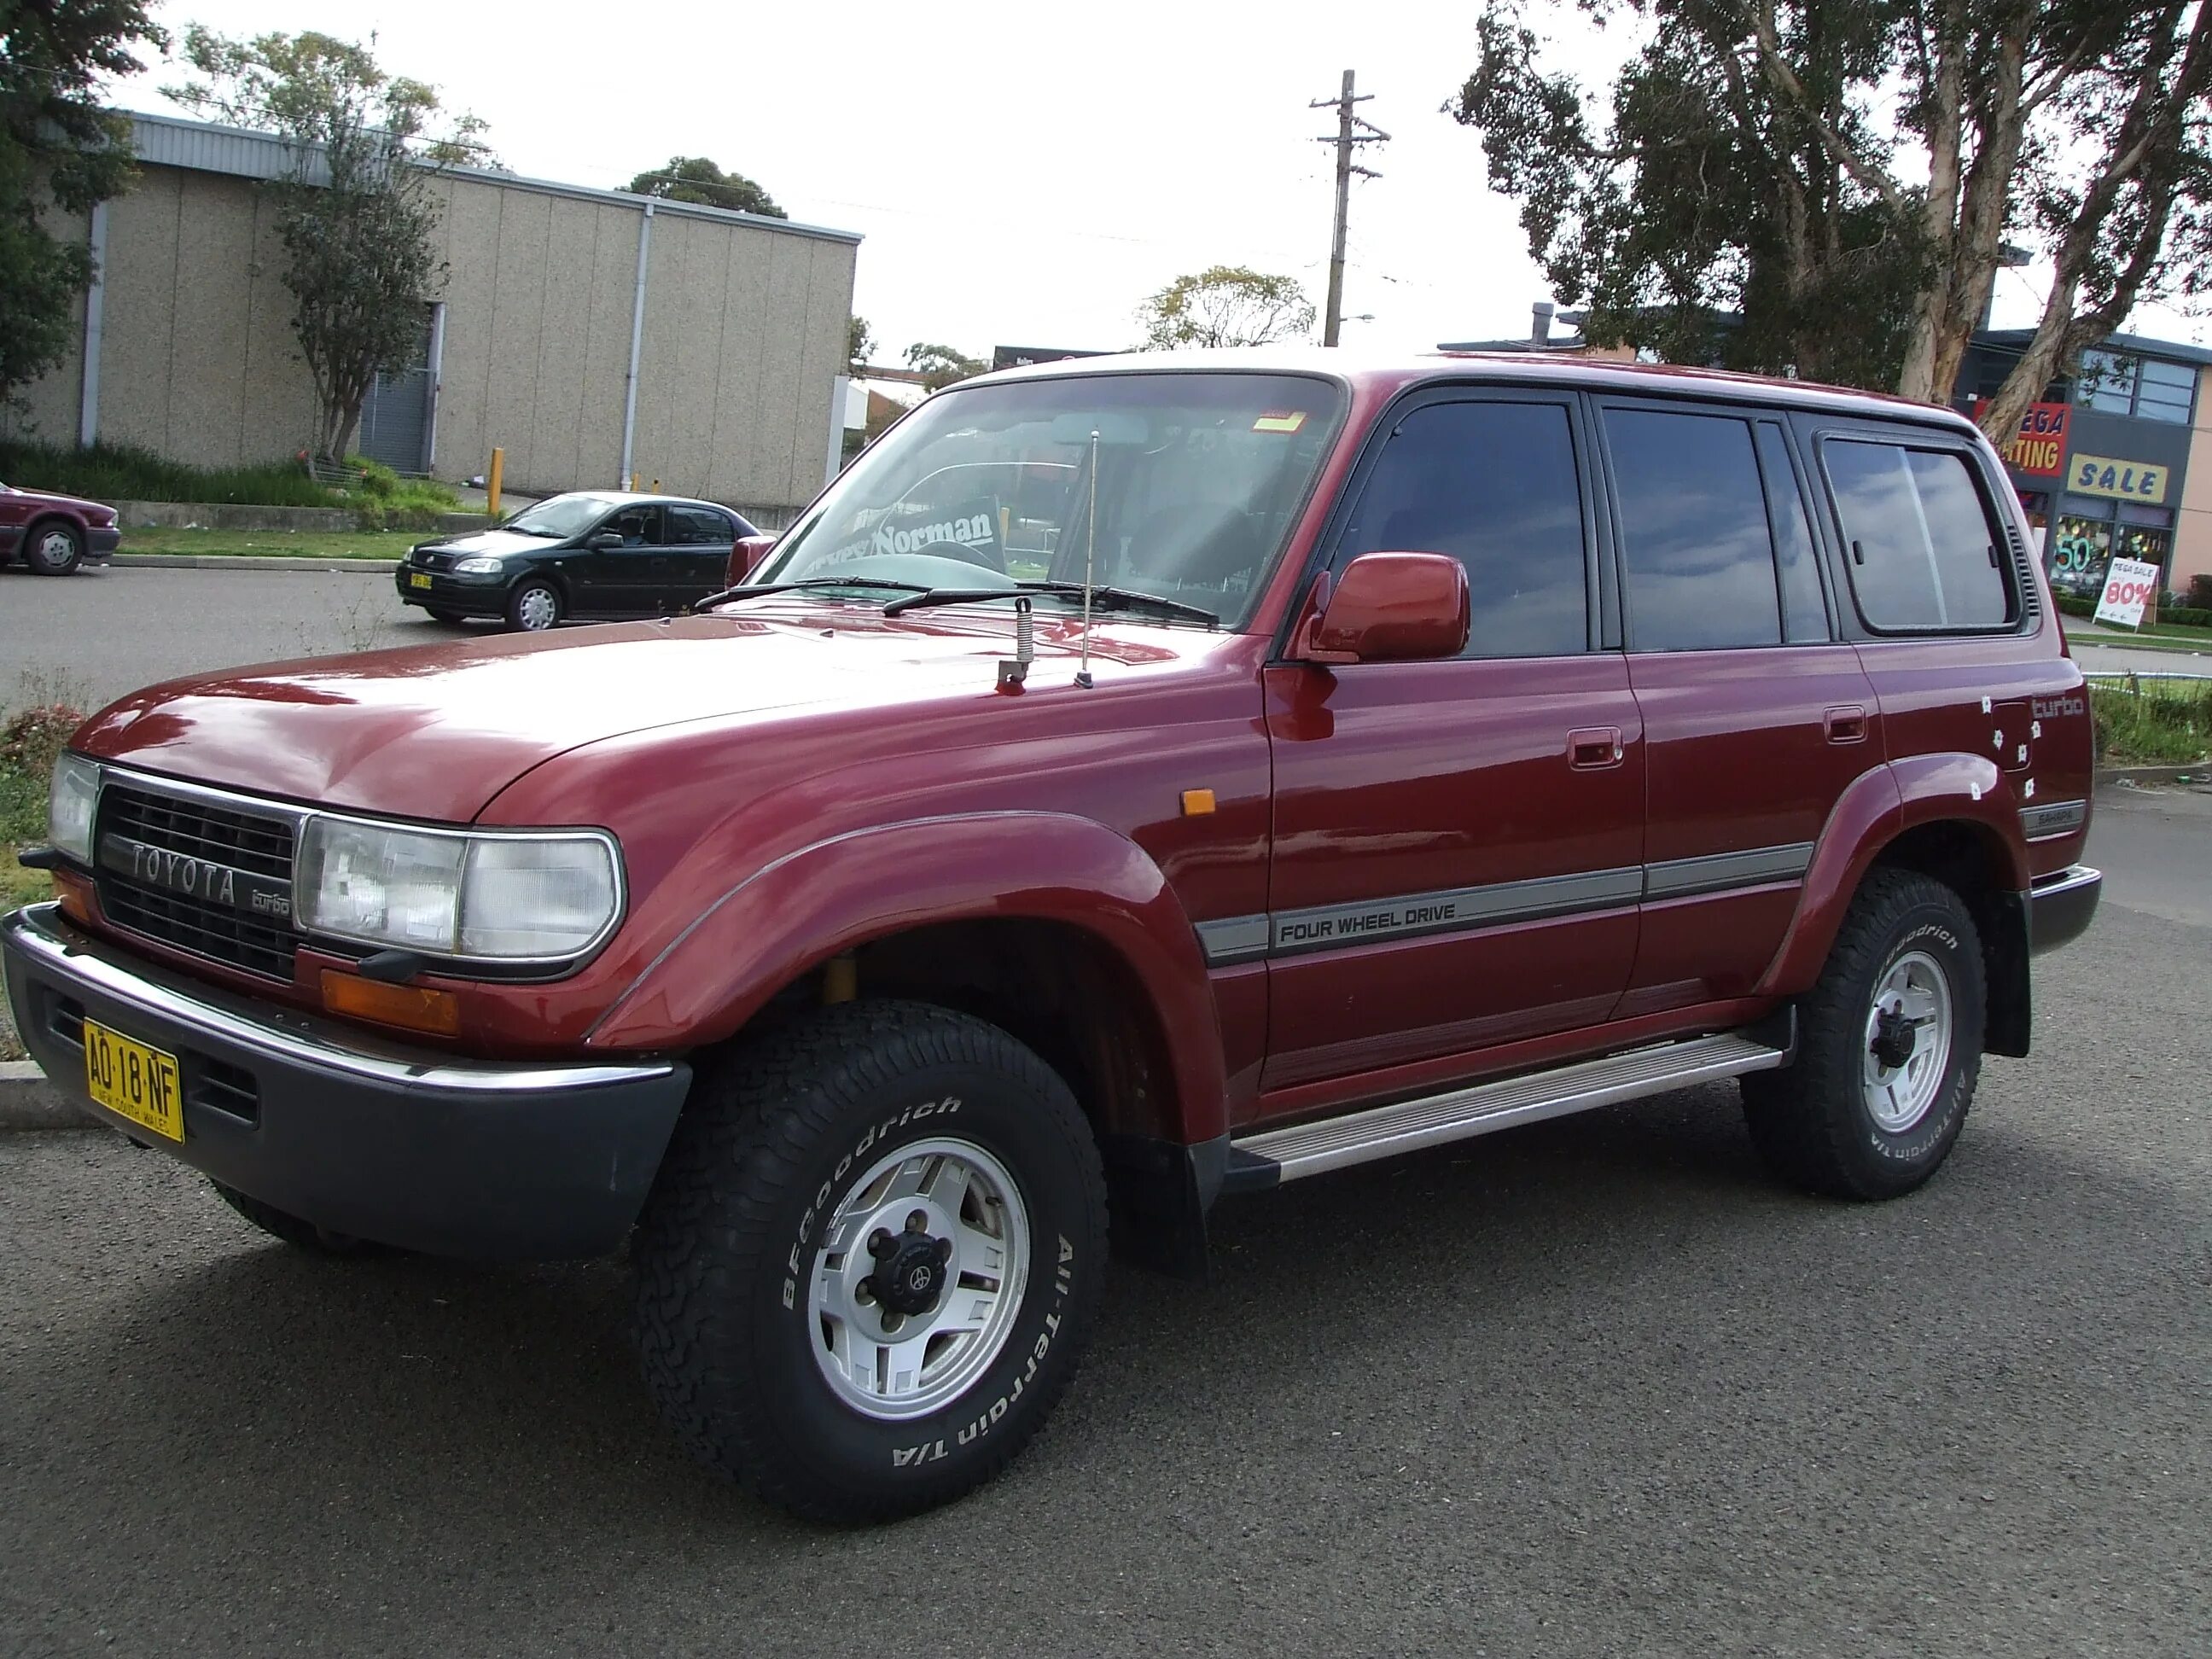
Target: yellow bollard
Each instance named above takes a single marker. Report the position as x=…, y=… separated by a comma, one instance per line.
x=491, y=481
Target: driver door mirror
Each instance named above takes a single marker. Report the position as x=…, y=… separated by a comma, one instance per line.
x=603, y=540
x=1391, y=607
x=747, y=554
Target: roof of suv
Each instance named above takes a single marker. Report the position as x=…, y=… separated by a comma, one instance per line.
x=1389, y=374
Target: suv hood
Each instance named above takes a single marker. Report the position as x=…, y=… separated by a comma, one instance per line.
x=435, y=732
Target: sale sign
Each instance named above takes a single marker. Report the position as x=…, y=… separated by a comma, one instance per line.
x=2130, y=585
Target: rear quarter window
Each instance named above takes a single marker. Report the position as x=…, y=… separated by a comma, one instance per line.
x=1921, y=550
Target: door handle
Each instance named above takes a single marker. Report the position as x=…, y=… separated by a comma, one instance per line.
x=1594, y=748
x=1845, y=724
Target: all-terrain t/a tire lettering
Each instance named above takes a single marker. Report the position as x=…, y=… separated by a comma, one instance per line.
x=853, y=1118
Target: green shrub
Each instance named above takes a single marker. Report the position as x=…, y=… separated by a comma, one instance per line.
x=29, y=741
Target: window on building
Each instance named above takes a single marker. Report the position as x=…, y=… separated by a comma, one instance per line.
x=1922, y=551
x=1494, y=485
x=1694, y=534
x=2149, y=388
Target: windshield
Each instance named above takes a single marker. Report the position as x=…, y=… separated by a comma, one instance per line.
x=559, y=515
x=1197, y=478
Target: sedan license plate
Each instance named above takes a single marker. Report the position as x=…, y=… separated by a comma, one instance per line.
x=137, y=1082
x=418, y=578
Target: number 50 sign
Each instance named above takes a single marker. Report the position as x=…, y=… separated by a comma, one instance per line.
x=2130, y=585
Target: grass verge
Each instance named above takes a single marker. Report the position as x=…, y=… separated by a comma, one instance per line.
x=275, y=544
x=2152, y=722
x=120, y=473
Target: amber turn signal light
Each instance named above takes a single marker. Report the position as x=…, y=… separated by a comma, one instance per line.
x=1197, y=803
x=416, y=1008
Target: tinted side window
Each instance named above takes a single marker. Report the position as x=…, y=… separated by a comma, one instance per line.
x=1693, y=531
x=638, y=526
x=1804, y=614
x=1922, y=551
x=1493, y=484
x=698, y=526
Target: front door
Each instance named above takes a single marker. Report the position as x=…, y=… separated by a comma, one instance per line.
x=1756, y=715
x=1458, y=845
x=621, y=581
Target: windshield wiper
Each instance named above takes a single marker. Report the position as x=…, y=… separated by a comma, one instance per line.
x=1127, y=596
x=1118, y=598
x=744, y=591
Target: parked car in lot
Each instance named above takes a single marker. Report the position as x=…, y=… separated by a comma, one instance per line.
x=1384, y=755
x=589, y=553
x=54, y=535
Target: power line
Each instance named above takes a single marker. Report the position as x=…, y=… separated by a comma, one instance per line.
x=1348, y=133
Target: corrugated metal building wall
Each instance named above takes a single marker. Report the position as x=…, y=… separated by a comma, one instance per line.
x=743, y=330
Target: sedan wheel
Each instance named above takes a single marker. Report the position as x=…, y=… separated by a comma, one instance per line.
x=534, y=607
x=53, y=549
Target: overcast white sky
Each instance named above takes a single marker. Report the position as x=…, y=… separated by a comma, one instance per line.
x=1023, y=174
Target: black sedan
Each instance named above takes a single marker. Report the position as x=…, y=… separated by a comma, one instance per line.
x=595, y=554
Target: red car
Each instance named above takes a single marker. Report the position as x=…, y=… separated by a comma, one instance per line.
x=1133, y=781
x=54, y=535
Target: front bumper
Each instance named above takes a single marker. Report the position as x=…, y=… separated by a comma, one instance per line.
x=100, y=545
x=480, y=594
x=2060, y=906
x=406, y=1146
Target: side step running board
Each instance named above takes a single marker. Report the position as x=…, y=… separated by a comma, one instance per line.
x=1262, y=1160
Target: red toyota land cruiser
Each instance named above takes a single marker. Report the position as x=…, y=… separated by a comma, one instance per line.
x=1131, y=781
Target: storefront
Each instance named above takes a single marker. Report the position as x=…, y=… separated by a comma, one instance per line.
x=2099, y=466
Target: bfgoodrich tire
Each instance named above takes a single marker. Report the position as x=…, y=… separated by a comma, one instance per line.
x=1889, y=1047
x=872, y=1259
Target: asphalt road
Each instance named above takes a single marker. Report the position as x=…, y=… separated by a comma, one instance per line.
x=101, y=633
x=1594, y=1387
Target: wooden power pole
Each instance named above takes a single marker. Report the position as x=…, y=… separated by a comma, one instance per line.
x=1350, y=131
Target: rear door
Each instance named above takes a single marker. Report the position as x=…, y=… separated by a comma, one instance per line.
x=621, y=581
x=1756, y=715
x=697, y=560
x=1457, y=843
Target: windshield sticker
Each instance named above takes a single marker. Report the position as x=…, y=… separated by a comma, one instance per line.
x=1280, y=420
x=977, y=531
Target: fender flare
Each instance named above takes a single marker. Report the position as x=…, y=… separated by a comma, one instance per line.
x=1880, y=805
x=836, y=894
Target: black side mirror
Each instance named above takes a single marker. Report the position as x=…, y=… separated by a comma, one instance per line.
x=603, y=539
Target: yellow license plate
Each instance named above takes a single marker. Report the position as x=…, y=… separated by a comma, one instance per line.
x=131, y=1078
x=417, y=579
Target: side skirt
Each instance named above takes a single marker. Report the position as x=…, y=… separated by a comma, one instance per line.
x=1273, y=1156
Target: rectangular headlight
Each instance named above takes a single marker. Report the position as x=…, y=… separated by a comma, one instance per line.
x=70, y=803
x=394, y=887
x=511, y=897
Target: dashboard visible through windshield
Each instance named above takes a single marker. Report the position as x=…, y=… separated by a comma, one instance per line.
x=1182, y=485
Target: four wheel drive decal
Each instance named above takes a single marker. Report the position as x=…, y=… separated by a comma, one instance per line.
x=1459, y=909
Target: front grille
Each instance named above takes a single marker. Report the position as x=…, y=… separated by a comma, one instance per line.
x=195, y=829
x=423, y=561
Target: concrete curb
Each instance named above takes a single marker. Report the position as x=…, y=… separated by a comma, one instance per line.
x=2107, y=775
x=247, y=562
x=27, y=1101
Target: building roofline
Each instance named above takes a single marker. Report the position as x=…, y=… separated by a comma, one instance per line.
x=173, y=141
x=2142, y=344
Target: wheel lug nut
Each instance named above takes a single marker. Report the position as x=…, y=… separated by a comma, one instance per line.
x=881, y=1245
x=917, y=1221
